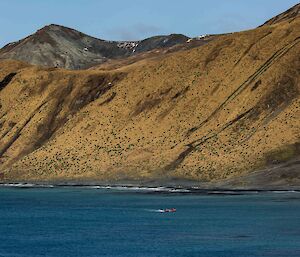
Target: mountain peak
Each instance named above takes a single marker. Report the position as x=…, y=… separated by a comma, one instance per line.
x=55, y=27
x=59, y=46
x=59, y=29
x=52, y=25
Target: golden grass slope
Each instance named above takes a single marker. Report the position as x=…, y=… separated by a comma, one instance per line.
x=213, y=112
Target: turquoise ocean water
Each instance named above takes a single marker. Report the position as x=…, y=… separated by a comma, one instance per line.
x=77, y=221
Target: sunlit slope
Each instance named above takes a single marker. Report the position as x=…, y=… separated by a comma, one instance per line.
x=213, y=112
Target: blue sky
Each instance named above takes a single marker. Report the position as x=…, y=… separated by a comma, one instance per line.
x=136, y=19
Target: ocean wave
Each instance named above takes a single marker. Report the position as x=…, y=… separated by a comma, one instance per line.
x=105, y=187
x=26, y=185
x=143, y=189
x=284, y=191
x=148, y=189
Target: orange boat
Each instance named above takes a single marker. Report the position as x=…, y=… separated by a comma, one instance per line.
x=169, y=210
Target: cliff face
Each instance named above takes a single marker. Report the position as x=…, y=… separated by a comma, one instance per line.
x=217, y=111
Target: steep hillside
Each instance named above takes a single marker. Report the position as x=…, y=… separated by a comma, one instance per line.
x=58, y=46
x=288, y=15
x=212, y=113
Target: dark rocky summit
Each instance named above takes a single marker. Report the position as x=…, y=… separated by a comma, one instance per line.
x=58, y=46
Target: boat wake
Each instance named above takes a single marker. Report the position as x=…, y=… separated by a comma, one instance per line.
x=162, y=210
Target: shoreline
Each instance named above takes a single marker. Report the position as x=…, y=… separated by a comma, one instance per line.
x=264, y=180
x=138, y=188
x=279, y=177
